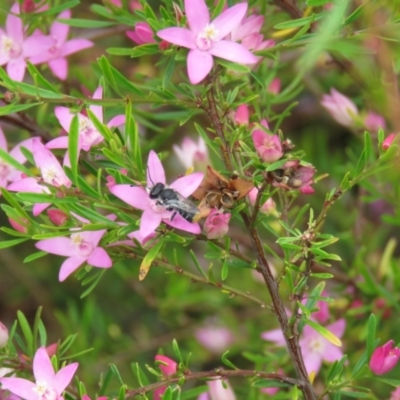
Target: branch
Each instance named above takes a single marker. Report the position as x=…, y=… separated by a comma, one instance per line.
x=216, y=373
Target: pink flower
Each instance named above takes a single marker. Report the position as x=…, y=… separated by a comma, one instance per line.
x=216, y=224
x=340, y=107
x=81, y=247
x=3, y=335
x=142, y=34
x=7, y=172
x=217, y=339
x=322, y=315
x=88, y=135
x=395, y=395
x=153, y=213
x=15, y=48
x=269, y=207
x=205, y=39
x=275, y=86
x=61, y=48
x=268, y=146
x=57, y=217
x=18, y=226
x=242, y=115
x=216, y=391
x=384, y=358
x=314, y=347
x=373, y=122
x=387, y=142
x=192, y=154
x=86, y=397
x=49, y=384
x=167, y=367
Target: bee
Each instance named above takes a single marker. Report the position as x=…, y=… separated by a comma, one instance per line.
x=174, y=201
x=287, y=176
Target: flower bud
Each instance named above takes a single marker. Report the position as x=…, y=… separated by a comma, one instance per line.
x=384, y=358
x=142, y=34
x=217, y=224
x=242, y=115
x=3, y=335
x=57, y=217
x=275, y=86
x=388, y=141
x=19, y=227
x=340, y=107
x=167, y=365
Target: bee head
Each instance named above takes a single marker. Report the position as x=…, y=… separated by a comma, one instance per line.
x=156, y=190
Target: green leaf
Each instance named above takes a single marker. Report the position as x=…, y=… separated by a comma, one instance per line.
x=39, y=79
x=316, y=3
x=177, y=351
x=85, y=23
x=10, y=84
x=269, y=383
x=144, y=50
x=168, y=72
x=119, y=51
x=391, y=382
x=15, y=108
x=132, y=131
x=227, y=362
x=371, y=331
x=355, y=394
x=239, y=68
x=140, y=375
x=91, y=215
x=39, y=93
x=225, y=270
x=102, y=128
x=65, y=5
x=299, y=22
x=197, y=264
x=34, y=256
x=26, y=331
x=9, y=243
x=5, y=156
x=73, y=147
x=45, y=198
x=116, y=373
x=96, y=280
x=149, y=258
x=325, y=333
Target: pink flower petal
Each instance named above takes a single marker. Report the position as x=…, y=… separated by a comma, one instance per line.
x=149, y=222
x=14, y=26
x=59, y=67
x=21, y=387
x=38, y=208
x=338, y=327
x=197, y=15
x=64, y=117
x=27, y=185
x=155, y=170
x=16, y=152
x=69, y=266
x=232, y=51
x=60, y=246
x=312, y=362
x=226, y=22
x=186, y=185
x=73, y=46
x=97, y=110
x=58, y=30
x=135, y=196
x=58, y=143
x=179, y=36
x=199, y=64
x=16, y=69
x=35, y=45
x=92, y=237
x=64, y=377
x=116, y=121
x=42, y=367
x=275, y=336
x=332, y=353
x=99, y=258
x=181, y=223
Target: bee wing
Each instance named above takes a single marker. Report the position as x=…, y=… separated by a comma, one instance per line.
x=185, y=204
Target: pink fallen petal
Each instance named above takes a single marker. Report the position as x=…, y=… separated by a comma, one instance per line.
x=69, y=266
x=199, y=64
x=186, y=185
x=99, y=258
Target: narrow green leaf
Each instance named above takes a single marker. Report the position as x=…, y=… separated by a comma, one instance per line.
x=34, y=256
x=371, y=331
x=9, y=243
x=177, y=351
x=38, y=93
x=73, y=147
x=225, y=270
x=132, y=131
x=85, y=23
x=149, y=258
x=144, y=50
x=197, y=264
x=168, y=72
x=7, y=80
x=98, y=276
x=225, y=360
x=39, y=79
x=296, y=23
x=119, y=51
x=269, y=383
x=102, y=128
x=26, y=331
x=328, y=335
x=36, y=324
x=140, y=375
x=116, y=373
x=316, y=3
x=5, y=156
x=389, y=381
x=45, y=198
x=65, y=5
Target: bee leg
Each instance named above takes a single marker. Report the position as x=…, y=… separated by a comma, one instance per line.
x=173, y=216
